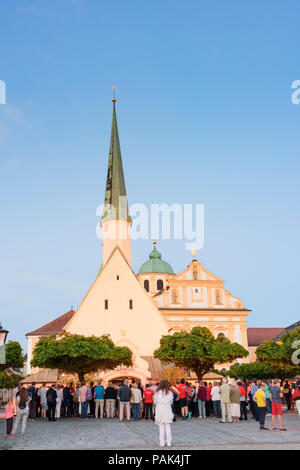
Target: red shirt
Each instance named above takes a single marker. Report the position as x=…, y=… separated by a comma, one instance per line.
x=243, y=390
x=148, y=395
x=182, y=391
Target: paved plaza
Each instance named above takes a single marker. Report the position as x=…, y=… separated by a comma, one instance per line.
x=73, y=433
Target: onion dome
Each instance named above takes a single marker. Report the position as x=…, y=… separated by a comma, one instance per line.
x=155, y=264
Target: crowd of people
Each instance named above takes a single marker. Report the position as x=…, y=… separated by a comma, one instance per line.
x=159, y=402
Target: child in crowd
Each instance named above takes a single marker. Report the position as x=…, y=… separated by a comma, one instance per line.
x=10, y=411
x=260, y=400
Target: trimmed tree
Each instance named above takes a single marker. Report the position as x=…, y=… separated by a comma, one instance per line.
x=282, y=355
x=258, y=370
x=79, y=354
x=198, y=350
x=14, y=360
x=13, y=356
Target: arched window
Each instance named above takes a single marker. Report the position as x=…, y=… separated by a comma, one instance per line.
x=160, y=284
x=146, y=285
x=221, y=335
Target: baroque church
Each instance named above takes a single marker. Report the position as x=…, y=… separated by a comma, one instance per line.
x=119, y=299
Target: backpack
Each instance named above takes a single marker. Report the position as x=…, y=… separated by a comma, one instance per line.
x=22, y=403
x=189, y=392
x=89, y=395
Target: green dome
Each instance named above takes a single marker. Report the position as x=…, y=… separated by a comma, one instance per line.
x=155, y=264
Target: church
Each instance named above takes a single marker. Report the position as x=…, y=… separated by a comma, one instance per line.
x=137, y=309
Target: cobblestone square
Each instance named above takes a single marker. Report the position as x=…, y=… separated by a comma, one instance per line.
x=75, y=434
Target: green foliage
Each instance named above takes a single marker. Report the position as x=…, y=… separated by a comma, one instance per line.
x=79, y=354
x=198, y=350
x=13, y=356
x=279, y=354
x=9, y=380
x=258, y=370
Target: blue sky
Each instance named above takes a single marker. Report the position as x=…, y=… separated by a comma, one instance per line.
x=205, y=116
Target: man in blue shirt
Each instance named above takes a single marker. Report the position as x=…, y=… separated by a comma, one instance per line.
x=99, y=399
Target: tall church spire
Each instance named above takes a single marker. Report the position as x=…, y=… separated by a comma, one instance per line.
x=116, y=220
x=115, y=202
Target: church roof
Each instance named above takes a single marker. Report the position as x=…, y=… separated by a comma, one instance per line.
x=114, y=207
x=54, y=327
x=155, y=264
x=288, y=328
x=257, y=335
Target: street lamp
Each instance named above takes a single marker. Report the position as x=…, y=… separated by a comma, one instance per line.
x=3, y=335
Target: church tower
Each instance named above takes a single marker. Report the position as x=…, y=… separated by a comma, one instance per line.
x=116, y=220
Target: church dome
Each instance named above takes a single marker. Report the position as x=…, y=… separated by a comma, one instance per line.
x=155, y=264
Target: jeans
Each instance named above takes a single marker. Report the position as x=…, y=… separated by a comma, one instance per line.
x=84, y=407
x=51, y=410
x=201, y=406
x=22, y=416
x=136, y=410
x=269, y=408
x=244, y=410
x=9, y=425
x=217, y=408
x=66, y=405
x=148, y=411
x=262, y=415
x=32, y=409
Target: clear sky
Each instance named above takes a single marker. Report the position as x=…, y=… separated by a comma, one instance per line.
x=205, y=116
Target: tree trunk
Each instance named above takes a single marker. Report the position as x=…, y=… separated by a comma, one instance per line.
x=80, y=374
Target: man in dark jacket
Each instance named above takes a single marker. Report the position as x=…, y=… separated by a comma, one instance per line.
x=33, y=394
x=51, y=396
x=66, y=405
x=124, y=395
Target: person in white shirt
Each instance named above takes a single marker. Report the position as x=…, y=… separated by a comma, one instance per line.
x=22, y=401
x=163, y=400
x=216, y=400
x=59, y=399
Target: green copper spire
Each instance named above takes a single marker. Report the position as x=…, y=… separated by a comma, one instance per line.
x=115, y=202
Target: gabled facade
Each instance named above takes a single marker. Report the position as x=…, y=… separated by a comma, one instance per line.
x=137, y=310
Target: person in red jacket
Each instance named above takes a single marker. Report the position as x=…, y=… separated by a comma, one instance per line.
x=148, y=400
x=182, y=389
x=207, y=399
x=201, y=397
x=296, y=396
x=243, y=400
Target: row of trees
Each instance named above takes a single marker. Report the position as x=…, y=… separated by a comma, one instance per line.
x=197, y=350
x=274, y=359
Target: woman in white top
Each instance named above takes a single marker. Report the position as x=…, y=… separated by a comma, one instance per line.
x=163, y=400
x=22, y=400
x=59, y=399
